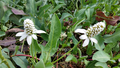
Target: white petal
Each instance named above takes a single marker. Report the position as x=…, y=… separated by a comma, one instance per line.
x=23, y=36
x=29, y=40
x=39, y=31
x=34, y=36
x=20, y=34
x=80, y=31
x=94, y=40
x=83, y=37
x=86, y=42
x=102, y=23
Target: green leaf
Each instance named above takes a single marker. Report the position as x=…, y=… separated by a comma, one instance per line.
x=71, y=58
x=45, y=37
x=55, y=31
x=111, y=28
x=65, y=15
x=89, y=13
x=31, y=7
x=2, y=65
x=108, y=7
x=10, y=63
x=44, y=55
x=5, y=53
x=82, y=58
x=16, y=50
x=44, y=2
x=2, y=33
x=102, y=64
x=116, y=48
x=80, y=14
x=5, y=18
x=79, y=52
x=100, y=44
x=4, y=28
x=56, y=8
x=89, y=49
x=82, y=2
x=112, y=38
x=116, y=57
x=15, y=19
x=91, y=64
x=101, y=56
x=20, y=60
x=43, y=9
x=77, y=23
x=75, y=41
x=48, y=65
x=6, y=50
x=109, y=47
x=34, y=47
x=40, y=64
x=38, y=3
x=1, y=10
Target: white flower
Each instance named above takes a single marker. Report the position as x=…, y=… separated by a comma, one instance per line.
x=90, y=33
x=29, y=31
x=63, y=35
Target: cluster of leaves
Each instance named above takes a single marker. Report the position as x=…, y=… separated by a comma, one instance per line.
x=55, y=17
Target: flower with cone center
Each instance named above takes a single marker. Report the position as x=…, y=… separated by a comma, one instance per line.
x=29, y=31
x=90, y=33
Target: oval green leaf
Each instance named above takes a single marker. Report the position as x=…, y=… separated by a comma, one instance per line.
x=2, y=33
x=71, y=58
x=101, y=56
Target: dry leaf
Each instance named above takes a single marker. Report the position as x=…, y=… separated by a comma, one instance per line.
x=14, y=30
x=25, y=48
x=12, y=48
x=100, y=16
x=113, y=20
x=18, y=12
x=7, y=41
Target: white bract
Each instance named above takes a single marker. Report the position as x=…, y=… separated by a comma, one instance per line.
x=90, y=33
x=29, y=30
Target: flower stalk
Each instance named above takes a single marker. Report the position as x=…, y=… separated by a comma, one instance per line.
x=27, y=56
x=22, y=45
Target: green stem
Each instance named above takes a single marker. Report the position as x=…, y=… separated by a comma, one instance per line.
x=22, y=45
x=81, y=1
x=58, y=53
x=66, y=53
x=77, y=4
x=31, y=48
x=61, y=48
x=52, y=2
x=36, y=55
